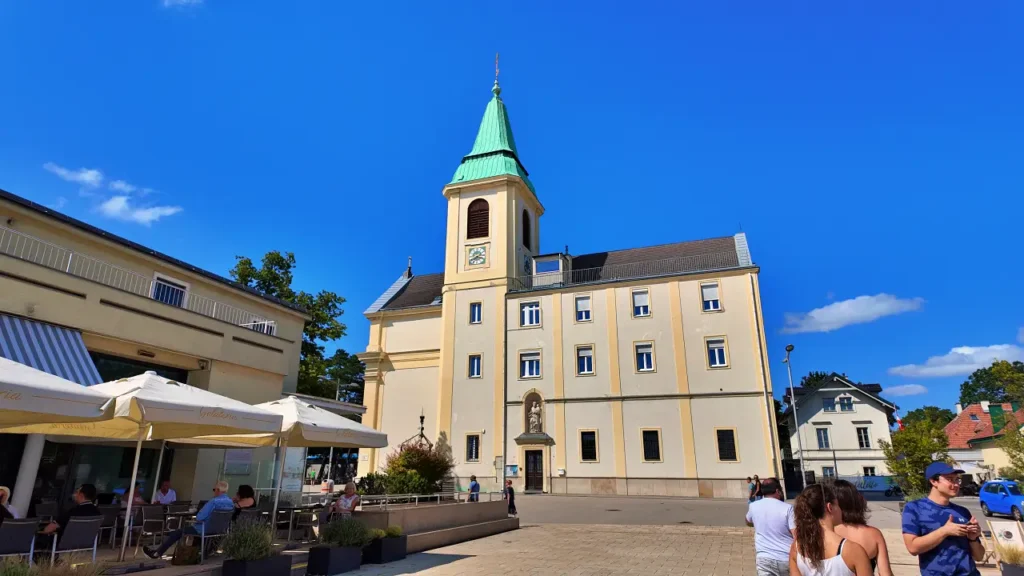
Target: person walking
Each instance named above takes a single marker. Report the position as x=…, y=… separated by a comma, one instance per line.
x=774, y=529
x=855, y=527
x=944, y=536
x=510, y=495
x=474, y=489
x=750, y=489
x=818, y=550
x=757, y=488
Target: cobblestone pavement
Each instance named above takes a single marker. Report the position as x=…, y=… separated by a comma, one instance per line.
x=593, y=550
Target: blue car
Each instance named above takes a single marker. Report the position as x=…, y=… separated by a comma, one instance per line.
x=1002, y=497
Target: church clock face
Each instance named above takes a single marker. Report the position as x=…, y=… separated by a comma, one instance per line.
x=477, y=256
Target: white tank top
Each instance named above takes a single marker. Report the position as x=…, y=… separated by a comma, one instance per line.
x=834, y=566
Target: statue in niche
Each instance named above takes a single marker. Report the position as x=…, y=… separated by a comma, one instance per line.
x=534, y=418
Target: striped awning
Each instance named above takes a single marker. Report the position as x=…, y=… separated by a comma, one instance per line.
x=58, y=351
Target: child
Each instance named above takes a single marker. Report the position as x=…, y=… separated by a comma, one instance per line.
x=510, y=495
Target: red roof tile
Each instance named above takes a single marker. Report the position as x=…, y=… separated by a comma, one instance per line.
x=963, y=429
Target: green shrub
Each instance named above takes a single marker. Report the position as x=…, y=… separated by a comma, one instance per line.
x=373, y=484
x=394, y=531
x=346, y=532
x=73, y=565
x=377, y=534
x=16, y=567
x=409, y=482
x=431, y=464
x=249, y=540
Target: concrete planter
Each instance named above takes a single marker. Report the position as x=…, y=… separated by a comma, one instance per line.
x=384, y=550
x=330, y=560
x=279, y=565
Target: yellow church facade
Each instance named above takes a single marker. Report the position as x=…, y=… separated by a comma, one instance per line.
x=633, y=372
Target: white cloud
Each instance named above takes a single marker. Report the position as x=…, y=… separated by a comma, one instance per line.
x=859, y=310
x=59, y=203
x=122, y=186
x=960, y=361
x=85, y=176
x=905, y=390
x=177, y=3
x=121, y=208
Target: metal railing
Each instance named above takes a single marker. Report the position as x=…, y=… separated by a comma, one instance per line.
x=666, y=267
x=32, y=249
x=387, y=501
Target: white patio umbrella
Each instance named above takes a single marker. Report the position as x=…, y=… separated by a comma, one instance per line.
x=150, y=407
x=303, y=426
x=28, y=396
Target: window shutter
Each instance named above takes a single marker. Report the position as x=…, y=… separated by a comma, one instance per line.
x=710, y=291
x=586, y=352
x=479, y=219
x=641, y=298
x=583, y=304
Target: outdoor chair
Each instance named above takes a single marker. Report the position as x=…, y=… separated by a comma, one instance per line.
x=216, y=526
x=18, y=537
x=79, y=535
x=46, y=512
x=185, y=503
x=250, y=515
x=152, y=525
x=130, y=526
x=307, y=521
x=110, y=514
x=201, y=504
x=175, y=522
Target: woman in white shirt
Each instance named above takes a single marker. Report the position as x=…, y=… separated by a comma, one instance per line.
x=818, y=550
x=5, y=501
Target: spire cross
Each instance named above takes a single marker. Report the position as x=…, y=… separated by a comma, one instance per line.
x=496, y=68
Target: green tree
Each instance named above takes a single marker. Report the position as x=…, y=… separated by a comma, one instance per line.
x=813, y=377
x=319, y=375
x=910, y=452
x=1012, y=443
x=937, y=416
x=990, y=383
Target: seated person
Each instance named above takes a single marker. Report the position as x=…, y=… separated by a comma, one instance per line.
x=137, y=499
x=244, y=498
x=6, y=509
x=84, y=506
x=221, y=501
x=165, y=495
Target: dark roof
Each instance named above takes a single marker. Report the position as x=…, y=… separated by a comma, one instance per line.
x=872, y=390
x=726, y=247
x=43, y=210
x=421, y=290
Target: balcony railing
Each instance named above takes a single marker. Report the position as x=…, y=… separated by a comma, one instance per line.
x=667, y=267
x=32, y=249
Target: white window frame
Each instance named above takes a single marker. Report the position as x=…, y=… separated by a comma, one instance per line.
x=647, y=367
x=867, y=437
x=716, y=303
x=825, y=474
x=721, y=361
x=527, y=311
x=589, y=311
x=839, y=402
x=479, y=366
x=824, y=406
x=871, y=468
x=525, y=374
x=478, y=307
x=634, y=306
x=580, y=349
x=477, y=436
x=818, y=436
x=171, y=280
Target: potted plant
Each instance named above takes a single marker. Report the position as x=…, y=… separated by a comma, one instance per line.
x=340, y=549
x=387, y=546
x=249, y=547
x=1011, y=560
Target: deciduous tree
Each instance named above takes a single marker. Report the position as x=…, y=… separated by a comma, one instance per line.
x=933, y=414
x=910, y=452
x=990, y=383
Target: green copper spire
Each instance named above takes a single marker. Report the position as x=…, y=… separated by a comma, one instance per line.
x=494, y=152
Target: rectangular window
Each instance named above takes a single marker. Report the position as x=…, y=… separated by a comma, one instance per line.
x=169, y=292
x=588, y=445
x=474, y=365
x=846, y=404
x=823, y=443
x=583, y=308
x=529, y=314
x=548, y=266
x=869, y=470
x=641, y=303
x=644, y=357
x=716, y=353
x=709, y=296
x=476, y=312
x=863, y=440
x=473, y=448
x=652, y=445
x=828, y=472
x=584, y=360
x=828, y=404
x=529, y=365
x=727, y=445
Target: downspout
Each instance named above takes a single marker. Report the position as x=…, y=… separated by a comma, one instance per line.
x=504, y=400
x=769, y=400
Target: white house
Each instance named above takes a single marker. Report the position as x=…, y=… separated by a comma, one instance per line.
x=841, y=426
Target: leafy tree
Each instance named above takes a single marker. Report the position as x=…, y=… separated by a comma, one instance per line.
x=319, y=375
x=910, y=452
x=1012, y=443
x=933, y=414
x=990, y=383
x=813, y=377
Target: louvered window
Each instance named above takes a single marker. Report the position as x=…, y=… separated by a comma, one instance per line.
x=479, y=219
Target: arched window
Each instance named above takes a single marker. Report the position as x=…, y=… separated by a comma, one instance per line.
x=479, y=219
x=526, y=230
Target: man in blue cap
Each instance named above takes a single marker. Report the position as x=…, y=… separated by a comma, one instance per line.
x=944, y=536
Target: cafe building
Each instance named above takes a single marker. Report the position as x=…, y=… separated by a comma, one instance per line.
x=89, y=306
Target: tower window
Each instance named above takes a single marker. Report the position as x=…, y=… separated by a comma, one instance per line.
x=526, y=230
x=479, y=219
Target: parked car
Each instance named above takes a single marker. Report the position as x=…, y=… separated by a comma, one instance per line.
x=1002, y=497
x=968, y=487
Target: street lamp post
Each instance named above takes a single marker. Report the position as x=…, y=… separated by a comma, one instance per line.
x=796, y=418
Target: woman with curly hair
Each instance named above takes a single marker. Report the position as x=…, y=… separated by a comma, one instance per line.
x=818, y=550
x=855, y=526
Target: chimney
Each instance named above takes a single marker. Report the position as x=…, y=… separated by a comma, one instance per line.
x=984, y=406
x=408, y=271
x=959, y=408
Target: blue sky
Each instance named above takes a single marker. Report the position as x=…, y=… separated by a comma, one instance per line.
x=871, y=154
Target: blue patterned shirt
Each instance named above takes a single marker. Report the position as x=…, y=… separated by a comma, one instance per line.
x=952, y=557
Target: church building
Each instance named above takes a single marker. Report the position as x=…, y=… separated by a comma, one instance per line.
x=634, y=372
